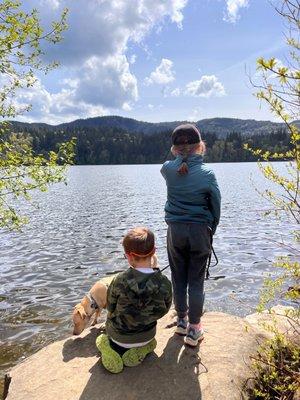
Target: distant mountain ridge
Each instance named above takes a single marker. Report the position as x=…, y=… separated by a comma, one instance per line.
x=219, y=126
x=117, y=140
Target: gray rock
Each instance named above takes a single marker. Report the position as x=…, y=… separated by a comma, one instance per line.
x=71, y=369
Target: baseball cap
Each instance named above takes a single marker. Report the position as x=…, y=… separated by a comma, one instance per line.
x=186, y=134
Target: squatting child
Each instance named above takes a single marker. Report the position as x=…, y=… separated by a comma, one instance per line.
x=136, y=299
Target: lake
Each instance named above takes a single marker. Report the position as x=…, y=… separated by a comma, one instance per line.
x=74, y=238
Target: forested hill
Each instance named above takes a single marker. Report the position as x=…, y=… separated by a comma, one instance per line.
x=114, y=145
x=219, y=126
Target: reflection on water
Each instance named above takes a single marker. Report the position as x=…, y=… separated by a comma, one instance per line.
x=74, y=238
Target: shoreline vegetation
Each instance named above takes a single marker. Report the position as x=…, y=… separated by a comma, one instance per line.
x=97, y=144
x=276, y=364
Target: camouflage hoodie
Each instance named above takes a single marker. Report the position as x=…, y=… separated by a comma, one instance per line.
x=135, y=301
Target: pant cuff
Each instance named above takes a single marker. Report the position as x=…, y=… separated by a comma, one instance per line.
x=181, y=314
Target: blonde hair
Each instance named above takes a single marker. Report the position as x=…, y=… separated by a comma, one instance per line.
x=139, y=242
x=185, y=150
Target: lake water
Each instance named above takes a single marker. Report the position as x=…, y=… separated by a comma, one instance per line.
x=74, y=238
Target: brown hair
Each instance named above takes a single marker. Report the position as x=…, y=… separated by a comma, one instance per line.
x=186, y=150
x=139, y=242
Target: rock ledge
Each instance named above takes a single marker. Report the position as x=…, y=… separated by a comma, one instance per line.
x=71, y=370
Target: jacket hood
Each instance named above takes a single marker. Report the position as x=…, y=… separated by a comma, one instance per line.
x=140, y=283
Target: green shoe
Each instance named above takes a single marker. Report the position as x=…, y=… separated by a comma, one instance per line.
x=136, y=355
x=111, y=360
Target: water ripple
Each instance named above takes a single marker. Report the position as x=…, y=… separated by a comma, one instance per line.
x=74, y=238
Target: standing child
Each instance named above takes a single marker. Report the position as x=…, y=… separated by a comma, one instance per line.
x=136, y=299
x=192, y=213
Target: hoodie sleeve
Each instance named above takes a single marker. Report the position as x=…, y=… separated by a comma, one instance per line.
x=215, y=201
x=168, y=299
x=163, y=299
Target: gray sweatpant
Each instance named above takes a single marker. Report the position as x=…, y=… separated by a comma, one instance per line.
x=189, y=245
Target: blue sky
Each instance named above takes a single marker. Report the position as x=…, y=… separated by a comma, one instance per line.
x=155, y=60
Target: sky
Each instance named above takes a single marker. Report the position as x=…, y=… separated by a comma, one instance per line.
x=155, y=60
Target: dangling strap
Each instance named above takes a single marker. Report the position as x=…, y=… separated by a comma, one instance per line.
x=209, y=262
x=212, y=251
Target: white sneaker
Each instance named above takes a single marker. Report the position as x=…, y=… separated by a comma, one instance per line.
x=181, y=327
x=194, y=336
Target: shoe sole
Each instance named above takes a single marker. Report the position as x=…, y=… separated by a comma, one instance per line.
x=134, y=356
x=181, y=331
x=193, y=342
x=111, y=360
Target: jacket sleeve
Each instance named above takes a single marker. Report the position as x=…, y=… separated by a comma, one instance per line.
x=163, y=169
x=168, y=296
x=215, y=201
x=112, y=297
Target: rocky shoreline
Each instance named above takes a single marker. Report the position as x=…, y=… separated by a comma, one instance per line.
x=70, y=369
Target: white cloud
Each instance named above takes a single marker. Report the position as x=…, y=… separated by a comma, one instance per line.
x=107, y=82
x=176, y=92
x=93, y=51
x=132, y=59
x=177, y=7
x=163, y=74
x=195, y=114
x=72, y=83
x=103, y=85
x=233, y=8
x=103, y=27
x=127, y=106
x=52, y=3
x=206, y=86
x=166, y=91
x=57, y=107
x=153, y=107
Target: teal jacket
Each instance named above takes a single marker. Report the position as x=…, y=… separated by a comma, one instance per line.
x=135, y=301
x=194, y=197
